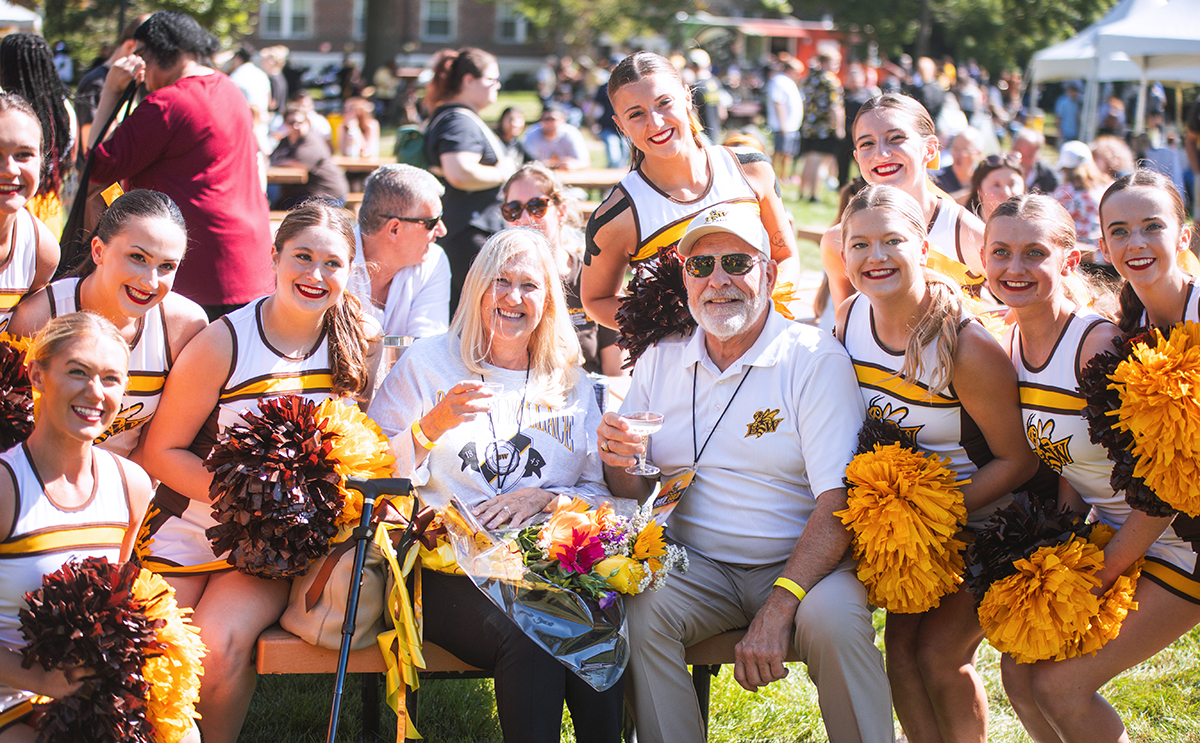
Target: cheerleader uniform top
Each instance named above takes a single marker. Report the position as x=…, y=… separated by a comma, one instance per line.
x=662, y=219
x=256, y=372
x=149, y=361
x=936, y=424
x=1051, y=408
x=18, y=272
x=945, y=247
x=1191, y=307
x=44, y=536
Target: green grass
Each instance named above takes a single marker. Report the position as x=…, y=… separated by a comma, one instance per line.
x=1159, y=700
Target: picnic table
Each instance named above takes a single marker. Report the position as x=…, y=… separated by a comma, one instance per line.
x=286, y=174
x=593, y=179
x=362, y=164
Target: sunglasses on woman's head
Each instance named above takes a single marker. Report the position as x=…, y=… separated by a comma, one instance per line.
x=536, y=207
x=734, y=264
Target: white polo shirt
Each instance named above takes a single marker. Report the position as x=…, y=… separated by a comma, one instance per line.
x=789, y=432
x=418, y=300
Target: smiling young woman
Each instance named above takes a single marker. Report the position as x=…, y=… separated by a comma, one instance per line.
x=895, y=141
x=675, y=176
x=127, y=280
x=925, y=364
x=1144, y=233
x=61, y=498
x=308, y=338
x=28, y=252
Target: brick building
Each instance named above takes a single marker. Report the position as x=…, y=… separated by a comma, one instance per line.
x=319, y=32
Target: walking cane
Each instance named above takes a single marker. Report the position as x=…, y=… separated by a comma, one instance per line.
x=371, y=490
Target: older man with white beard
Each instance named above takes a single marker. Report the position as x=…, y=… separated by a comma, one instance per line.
x=760, y=420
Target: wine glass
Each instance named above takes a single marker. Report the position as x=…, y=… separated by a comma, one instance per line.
x=643, y=423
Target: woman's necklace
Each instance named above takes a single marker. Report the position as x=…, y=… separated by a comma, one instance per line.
x=503, y=457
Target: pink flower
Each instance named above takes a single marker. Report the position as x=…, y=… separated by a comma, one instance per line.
x=580, y=554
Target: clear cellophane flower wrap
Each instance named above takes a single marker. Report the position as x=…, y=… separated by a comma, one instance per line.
x=1144, y=408
x=561, y=581
x=1033, y=572
x=904, y=510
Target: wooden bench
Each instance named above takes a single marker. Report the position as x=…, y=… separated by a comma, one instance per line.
x=280, y=652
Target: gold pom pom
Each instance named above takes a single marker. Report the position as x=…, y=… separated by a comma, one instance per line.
x=1044, y=608
x=1159, y=386
x=905, y=509
x=360, y=449
x=173, y=676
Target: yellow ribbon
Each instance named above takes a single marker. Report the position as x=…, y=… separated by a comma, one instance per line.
x=401, y=645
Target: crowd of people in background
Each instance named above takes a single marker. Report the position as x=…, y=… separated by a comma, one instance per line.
x=968, y=197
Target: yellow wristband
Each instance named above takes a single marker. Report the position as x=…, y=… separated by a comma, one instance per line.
x=791, y=587
x=420, y=436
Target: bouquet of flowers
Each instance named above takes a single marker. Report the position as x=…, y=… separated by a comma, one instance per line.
x=561, y=581
x=600, y=554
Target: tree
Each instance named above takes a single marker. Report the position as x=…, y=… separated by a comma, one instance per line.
x=999, y=34
x=574, y=25
x=89, y=25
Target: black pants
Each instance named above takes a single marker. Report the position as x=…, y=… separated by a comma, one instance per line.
x=461, y=249
x=530, y=684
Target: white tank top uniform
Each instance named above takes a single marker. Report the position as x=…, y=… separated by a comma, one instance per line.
x=1191, y=307
x=44, y=537
x=1052, y=409
x=172, y=540
x=661, y=219
x=149, y=362
x=936, y=424
x=18, y=272
x=945, y=246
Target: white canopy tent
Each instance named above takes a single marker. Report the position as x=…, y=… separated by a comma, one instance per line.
x=1163, y=41
x=1072, y=59
x=1085, y=58
x=14, y=18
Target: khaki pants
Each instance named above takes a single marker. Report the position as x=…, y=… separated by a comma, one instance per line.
x=833, y=635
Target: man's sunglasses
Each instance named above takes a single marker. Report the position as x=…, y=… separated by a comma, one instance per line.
x=429, y=223
x=734, y=264
x=536, y=207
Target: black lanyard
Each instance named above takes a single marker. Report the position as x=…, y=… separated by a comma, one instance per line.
x=696, y=453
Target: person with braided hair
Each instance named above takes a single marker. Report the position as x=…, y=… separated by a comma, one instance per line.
x=27, y=69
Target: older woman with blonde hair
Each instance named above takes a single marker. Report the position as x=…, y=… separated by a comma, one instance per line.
x=508, y=455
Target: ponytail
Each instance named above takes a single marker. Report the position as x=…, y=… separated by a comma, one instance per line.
x=941, y=323
x=1132, y=309
x=348, y=345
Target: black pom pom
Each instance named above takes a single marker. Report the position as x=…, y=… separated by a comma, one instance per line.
x=16, y=398
x=654, y=306
x=1014, y=533
x=274, y=490
x=1102, y=400
x=85, y=614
